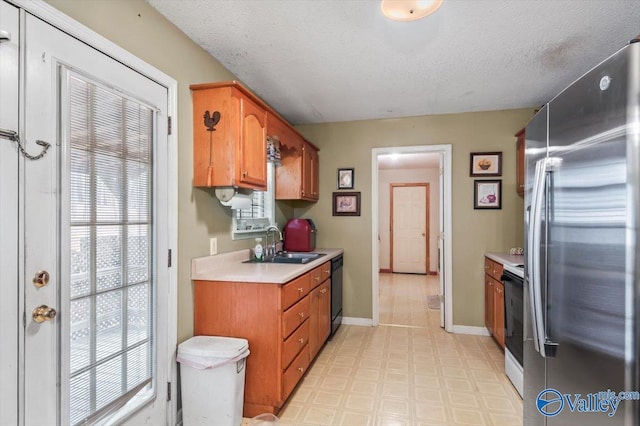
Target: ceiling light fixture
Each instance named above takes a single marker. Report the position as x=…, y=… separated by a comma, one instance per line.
x=409, y=10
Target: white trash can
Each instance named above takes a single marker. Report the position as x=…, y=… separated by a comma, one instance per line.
x=212, y=373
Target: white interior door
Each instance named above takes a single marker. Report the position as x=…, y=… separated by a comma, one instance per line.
x=409, y=228
x=95, y=218
x=9, y=290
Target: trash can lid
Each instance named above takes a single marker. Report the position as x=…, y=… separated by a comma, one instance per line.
x=213, y=346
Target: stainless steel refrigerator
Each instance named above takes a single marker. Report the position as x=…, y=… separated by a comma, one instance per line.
x=582, y=209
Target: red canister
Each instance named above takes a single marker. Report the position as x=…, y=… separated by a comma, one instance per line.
x=300, y=235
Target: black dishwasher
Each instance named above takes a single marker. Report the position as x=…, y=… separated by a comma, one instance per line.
x=336, y=294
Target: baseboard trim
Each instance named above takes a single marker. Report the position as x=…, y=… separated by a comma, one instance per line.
x=468, y=329
x=367, y=322
x=385, y=271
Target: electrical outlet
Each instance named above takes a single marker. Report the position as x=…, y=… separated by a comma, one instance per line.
x=213, y=246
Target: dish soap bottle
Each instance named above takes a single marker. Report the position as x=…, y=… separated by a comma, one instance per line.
x=257, y=250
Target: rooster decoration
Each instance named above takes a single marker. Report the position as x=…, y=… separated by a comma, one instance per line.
x=210, y=121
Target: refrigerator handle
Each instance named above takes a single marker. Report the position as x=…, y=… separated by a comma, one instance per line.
x=533, y=257
x=544, y=346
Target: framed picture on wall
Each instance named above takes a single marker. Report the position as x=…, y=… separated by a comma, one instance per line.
x=346, y=204
x=345, y=178
x=487, y=194
x=485, y=164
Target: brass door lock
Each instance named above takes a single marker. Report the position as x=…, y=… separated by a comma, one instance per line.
x=41, y=279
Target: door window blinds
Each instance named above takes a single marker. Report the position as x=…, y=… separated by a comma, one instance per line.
x=111, y=289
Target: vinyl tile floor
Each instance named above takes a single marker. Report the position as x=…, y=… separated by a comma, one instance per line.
x=407, y=371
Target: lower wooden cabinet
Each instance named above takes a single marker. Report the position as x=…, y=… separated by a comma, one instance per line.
x=494, y=300
x=285, y=324
x=320, y=321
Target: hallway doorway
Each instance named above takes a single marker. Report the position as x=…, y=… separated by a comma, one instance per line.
x=438, y=175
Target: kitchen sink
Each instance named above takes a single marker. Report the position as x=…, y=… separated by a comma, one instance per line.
x=289, y=257
x=298, y=255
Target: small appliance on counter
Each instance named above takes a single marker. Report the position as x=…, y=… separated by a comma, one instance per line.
x=300, y=235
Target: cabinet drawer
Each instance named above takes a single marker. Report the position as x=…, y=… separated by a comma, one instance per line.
x=295, y=290
x=492, y=268
x=294, y=316
x=497, y=271
x=295, y=371
x=326, y=271
x=315, y=277
x=488, y=266
x=294, y=344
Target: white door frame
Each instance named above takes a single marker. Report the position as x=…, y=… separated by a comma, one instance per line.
x=445, y=203
x=70, y=26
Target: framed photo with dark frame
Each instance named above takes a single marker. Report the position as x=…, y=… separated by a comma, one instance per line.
x=346, y=178
x=487, y=194
x=346, y=204
x=485, y=164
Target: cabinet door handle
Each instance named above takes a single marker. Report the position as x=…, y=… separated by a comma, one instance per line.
x=301, y=340
x=301, y=369
x=316, y=278
x=323, y=291
x=245, y=173
x=300, y=289
x=301, y=315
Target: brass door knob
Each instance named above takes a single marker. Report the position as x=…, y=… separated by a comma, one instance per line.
x=43, y=313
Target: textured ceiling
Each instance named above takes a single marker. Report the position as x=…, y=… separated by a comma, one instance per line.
x=334, y=60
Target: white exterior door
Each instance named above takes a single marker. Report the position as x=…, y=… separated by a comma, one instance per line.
x=409, y=212
x=93, y=214
x=9, y=291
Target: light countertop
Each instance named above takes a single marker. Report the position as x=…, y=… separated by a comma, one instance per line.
x=509, y=261
x=229, y=267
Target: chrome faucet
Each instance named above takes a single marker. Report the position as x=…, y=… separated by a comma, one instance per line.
x=270, y=250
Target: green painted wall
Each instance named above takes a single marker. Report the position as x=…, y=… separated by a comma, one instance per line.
x=475, y=232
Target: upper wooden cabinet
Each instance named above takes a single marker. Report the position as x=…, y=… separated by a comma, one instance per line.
x=520, y=161
x=310, y=185
x=229, y=137
x=297, y=177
